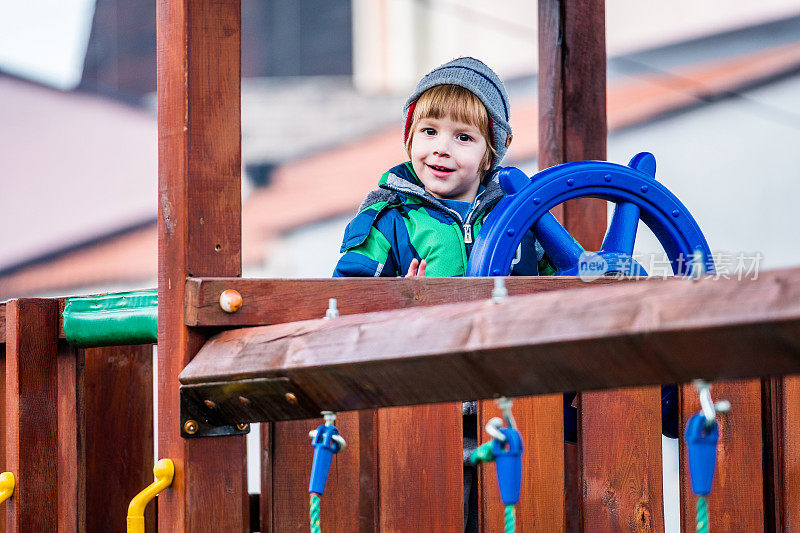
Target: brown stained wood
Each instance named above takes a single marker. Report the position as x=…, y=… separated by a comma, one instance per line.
x=573, y=127
x=790, y=456
x=291, y=460
x=274, y=301
x=119, y=433
x=572, y=102
x=199, y=227
x=622, y=477
x=32, y=413
x=71, y=440
x=603, y=337
x=736, y=501
x=540, y=421
x=369, y=478
x=2, y=322
x=420, y=467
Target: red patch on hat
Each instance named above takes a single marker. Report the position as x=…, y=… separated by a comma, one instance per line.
x=408, y=120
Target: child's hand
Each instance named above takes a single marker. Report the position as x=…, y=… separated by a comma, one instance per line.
x=416, y=269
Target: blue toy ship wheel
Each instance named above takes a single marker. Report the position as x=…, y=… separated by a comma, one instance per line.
x=637, y=195
x=634, y=189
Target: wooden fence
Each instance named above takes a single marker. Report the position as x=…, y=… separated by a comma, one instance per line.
x=78, y=427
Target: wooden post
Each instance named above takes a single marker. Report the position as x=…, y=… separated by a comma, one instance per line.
x=619, y=432
x=32, y=414
x=199, y=228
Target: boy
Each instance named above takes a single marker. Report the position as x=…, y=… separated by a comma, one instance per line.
x=422, y=219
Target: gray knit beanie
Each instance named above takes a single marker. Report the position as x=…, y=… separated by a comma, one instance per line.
x=476, y=77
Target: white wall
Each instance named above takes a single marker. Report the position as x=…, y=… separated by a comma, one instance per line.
x=397, y=41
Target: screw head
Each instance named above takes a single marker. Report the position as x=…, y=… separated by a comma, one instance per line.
x=570, y=182
x=190, y=427
x=210, y=404
x=291, y=398
x=244, y=400
x=644, y=188
x=230, y=300
x=607, y=177
x=242, y=427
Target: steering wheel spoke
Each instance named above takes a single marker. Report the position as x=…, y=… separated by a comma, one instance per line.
x=560, y=246
x=621, y=235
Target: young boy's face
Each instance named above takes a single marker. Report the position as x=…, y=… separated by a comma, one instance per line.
x=447, y=156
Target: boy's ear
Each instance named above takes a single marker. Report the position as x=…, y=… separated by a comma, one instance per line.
x=509, y=138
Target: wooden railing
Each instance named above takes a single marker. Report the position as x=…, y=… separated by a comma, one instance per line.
x=78, y=426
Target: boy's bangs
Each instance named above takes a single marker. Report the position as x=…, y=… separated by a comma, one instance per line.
x=454, y=101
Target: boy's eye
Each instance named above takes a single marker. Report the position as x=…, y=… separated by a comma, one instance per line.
x=463, y=137
x=428, y=131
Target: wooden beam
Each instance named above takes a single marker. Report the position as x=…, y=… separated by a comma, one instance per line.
x=604, y=337
x=32, y=414
x=274, y=301
x=199, y=234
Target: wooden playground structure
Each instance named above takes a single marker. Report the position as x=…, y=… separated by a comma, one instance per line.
x=78, y=427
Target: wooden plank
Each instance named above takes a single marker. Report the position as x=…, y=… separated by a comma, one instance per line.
x=119, y=433
x=72, y=439
x=644, y=335
x=622, y=479
x=541, y=508
x=3, y=426
x=790, y=456
x=290, y=470
x=32, y=413
x=736, y=502
x=273, y=301
x=2, y=322
x=420, y=465
x=199, y=227
x=780, y=398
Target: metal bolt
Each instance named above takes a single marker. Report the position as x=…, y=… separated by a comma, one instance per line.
x=291, y=398
x=230, y=300
x=210, y=404
x=242, y=427
x=190, y=427
x=499, y=292
x=333, y=311
x=244, y=400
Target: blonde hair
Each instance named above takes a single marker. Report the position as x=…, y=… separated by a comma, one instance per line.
x=459, y=104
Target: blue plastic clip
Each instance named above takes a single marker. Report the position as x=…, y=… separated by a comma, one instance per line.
x=701, y=443
x=508, y=462
x=326, y=442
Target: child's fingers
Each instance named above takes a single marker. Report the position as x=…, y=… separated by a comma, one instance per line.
x=412, y=268
x=422, y=266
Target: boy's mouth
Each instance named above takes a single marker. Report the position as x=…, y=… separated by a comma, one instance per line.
x=438, y=168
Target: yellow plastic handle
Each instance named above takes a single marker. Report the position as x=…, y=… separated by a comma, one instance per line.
x=7, y=484
x=164, y=472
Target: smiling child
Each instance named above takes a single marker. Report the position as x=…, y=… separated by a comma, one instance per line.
x=422, y=219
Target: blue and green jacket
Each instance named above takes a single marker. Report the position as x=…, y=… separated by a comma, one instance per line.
x=400, y=221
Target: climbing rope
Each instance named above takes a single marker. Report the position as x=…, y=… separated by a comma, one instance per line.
x=511, y=519
x=702, y=515
x=314, y=513
x=326, y=441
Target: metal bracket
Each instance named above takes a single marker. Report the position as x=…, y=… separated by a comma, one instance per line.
x=196, y=422
x=226, y=408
